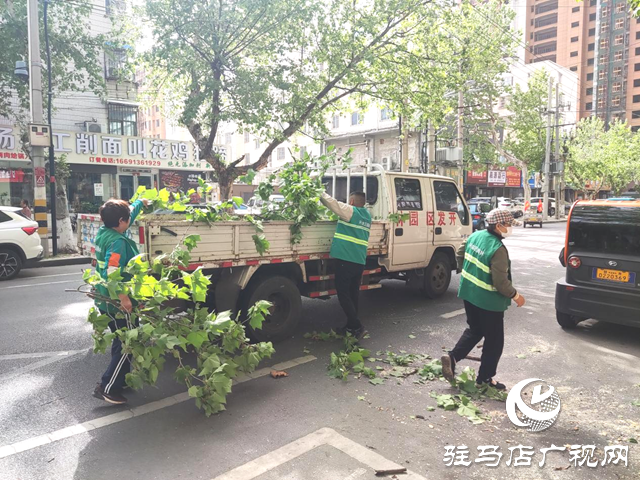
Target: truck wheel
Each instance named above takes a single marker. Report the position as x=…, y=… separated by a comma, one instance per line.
x=10, y=264
x=437, y=276
x=286, y=310
x=568, y=321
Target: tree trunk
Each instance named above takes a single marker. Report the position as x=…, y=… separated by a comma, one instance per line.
x=225, y=182
x=525, y=183
x=66, y=238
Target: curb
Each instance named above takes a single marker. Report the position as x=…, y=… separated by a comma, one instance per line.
x=59, y=262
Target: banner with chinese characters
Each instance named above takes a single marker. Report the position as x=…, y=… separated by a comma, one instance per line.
x=115, y=150
x=476, y=178
x=513, y=177
x=497, y=178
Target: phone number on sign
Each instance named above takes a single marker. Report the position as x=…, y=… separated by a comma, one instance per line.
x=125, y=161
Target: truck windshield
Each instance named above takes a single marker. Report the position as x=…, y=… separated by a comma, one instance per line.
x=356, y=186
x=606, y=229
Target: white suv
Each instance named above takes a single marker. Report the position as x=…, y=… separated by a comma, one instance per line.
x=19, y=242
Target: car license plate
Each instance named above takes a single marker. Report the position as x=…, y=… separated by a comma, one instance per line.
x=534, y=219
x=619, y=276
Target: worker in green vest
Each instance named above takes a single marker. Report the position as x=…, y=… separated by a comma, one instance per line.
x=349, y=248
x=114, y=249
x=487, y=291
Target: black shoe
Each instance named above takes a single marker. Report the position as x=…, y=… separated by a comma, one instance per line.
x=448, y=368
x=358, y=333
x=492, y=383
x=112, y=397
x=342, y=331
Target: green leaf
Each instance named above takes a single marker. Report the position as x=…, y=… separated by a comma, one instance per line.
x=521, y=355
x=197, y=338
x=412, y=337
x=222, y=383
x=633, y=440
x=237, y=201
x=636, y=403
x=430, y=409
x=153, y=374
x=133, y=380
x=194, y=391
x=361, y=398
x=376, y=381
x=191, y=242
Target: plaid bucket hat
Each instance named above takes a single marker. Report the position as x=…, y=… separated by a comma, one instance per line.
x=504, y=217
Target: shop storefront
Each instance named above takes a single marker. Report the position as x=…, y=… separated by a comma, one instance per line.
x=498, y=182
x=103, y=166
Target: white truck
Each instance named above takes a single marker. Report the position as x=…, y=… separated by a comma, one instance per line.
x=419, y=250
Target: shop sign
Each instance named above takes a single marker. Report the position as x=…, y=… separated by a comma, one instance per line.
x=12, y=175
x=116, y=150
x=476, y=178
x=497, y=178
x=513, y=177
x=98, y=189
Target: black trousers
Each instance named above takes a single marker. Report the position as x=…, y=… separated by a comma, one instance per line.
x=348, y=279
x=113, y=379
x=482, y=324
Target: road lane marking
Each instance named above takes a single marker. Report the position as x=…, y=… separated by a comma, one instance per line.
x=455, y=313
x=41, y=284
x=41, y=363
x=358, y=473
x=324, y=436
x=35, y=277
x=20, y=356
x=73, y=430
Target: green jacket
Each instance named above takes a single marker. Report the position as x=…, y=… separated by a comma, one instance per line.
x=486, y=272
x=113, y=251
x=351, y=239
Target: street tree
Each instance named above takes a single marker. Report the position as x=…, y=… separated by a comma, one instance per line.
x=602, y=157
x=76, y=66
x=275, y=68
x=525, y=141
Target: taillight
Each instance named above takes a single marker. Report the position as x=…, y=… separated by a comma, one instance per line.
x=476, y=217
x=29, y=230
x=574, y=262
x=141, y=235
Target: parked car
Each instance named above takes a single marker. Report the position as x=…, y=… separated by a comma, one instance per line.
x=551, y=205
x=481, y=200
x=19, y=242
x=478, y=215
x=256, y=204
x=602, y=260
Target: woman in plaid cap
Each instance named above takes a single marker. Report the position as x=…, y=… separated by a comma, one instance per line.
x=487, y=291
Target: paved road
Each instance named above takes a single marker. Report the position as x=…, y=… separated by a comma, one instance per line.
x=309, y=426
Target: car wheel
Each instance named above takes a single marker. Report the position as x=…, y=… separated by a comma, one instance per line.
x=10, y=264
x=568, y=321
x=285, y=313
x=552, y=211
x=481, y=226
x=437, y=276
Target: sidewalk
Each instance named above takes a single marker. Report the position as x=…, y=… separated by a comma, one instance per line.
x=60, y=261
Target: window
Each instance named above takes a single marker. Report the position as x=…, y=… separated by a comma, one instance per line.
x=544, y=48
x=617, y=56
x=115, y=64
x=600, y=103
x=589, y=106
x=303, y=151
x=4, y=217
x=637, y=35
x=592, y=17
x=256, y=143
x=635, y=128
x=618, y=40
x=635, y=114
x=619, y=23
x=589, y=91
x=546, y=34
x=573, y=54
x=575, y=9
x=335, y=122
x=408, y=194
x=157, y=108
x=620, y=7
x=385, y=114
x=636, y=99
x=592, y=3
x=637, y=50
x=595, y=230
x=636, y=82
x=617, y=71
x=615, y=101
x=601, y=74
x=227, y=138
x=574, y=39
x=547, y=6
x=356, y=118
x=123, y=119
x=600, y=90
x=590, y=75
x=605, y=11
x=247, y=159
x=591, y=47
x=246, y=137
x=603, y=58
x=573, y=69
x=158, y=123
x=575, y=24
x=546, y=20
x=636, y=67
x=114, y=6
x=604, y=27
x=617, y=86
x=448, y=200
x=604, y=43
x=280, y=153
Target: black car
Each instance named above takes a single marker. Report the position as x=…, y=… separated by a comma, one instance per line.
x=479, y=212
x=602, y=260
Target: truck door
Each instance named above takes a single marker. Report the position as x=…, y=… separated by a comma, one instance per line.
x=451, y=219
x=410, y=236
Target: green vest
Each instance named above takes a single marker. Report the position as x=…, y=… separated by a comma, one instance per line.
x=476, y=284
x=352, y=238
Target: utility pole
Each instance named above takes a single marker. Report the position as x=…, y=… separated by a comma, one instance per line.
x=460, y=140
x=556, y=157
x=547, y=155
x=52, y=158
x=431, y=147
x=37, y=153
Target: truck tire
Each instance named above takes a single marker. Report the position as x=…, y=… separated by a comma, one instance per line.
x=567, y=321
x=285, y=313
x=437, y=276
x=10, y=264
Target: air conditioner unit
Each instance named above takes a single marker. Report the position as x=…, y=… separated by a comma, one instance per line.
x=384, y=163
x=92, y=127
x=448, y=154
